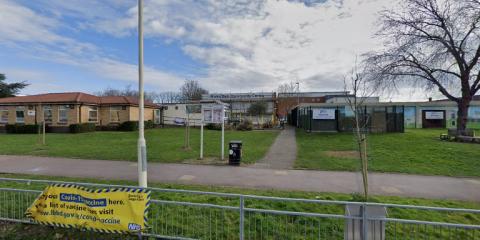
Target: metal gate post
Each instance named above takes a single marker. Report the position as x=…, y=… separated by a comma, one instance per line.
x=364, y=222
x=242, y=217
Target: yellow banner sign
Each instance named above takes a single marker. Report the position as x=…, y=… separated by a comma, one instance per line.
x=110, y=210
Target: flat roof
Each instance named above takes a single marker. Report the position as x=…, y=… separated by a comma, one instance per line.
x=386, y=104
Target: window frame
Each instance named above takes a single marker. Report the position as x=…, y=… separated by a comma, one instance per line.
x=17, y=110
x=92, y=109
x=116, y=109
x=47, y=108
x=62, y=108
x=1, y=115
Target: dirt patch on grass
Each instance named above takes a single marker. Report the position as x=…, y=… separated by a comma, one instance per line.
x=342, y=154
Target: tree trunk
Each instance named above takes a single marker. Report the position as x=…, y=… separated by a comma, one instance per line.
x=462, y=117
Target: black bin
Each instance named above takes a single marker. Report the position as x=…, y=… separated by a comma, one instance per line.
x=234, y=152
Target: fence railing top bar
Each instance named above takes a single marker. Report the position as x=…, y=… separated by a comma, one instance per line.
x=420, y=222
x=467, y=210
x=116, y=185
x=363, y=204
x=235, y=195
x=20, y=190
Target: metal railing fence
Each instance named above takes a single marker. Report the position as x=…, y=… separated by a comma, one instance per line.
x=189, y=214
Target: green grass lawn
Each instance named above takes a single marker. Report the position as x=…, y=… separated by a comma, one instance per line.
x=417, y=151
x=164, y=145
x=194, y=222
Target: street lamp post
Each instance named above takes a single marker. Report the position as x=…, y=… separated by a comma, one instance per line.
x=298, y=102
x=142, y=145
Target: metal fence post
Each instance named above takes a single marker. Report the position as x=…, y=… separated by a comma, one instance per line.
x=364, y=222
x=242, y=217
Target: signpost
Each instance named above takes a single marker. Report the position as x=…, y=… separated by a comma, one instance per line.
x=323, y=113
x=434, y=115
x=213, y=113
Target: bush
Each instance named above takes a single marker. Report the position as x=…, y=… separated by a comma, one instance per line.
x=128, y=126
x=111, y=127
x=246, y=125
x=133, y=125
x=268, y=124
x=82, y=127
x=21, y=128
x=213, y=126
x=149, y=124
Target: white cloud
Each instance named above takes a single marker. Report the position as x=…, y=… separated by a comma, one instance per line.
x=260, y=44
x=36, y=35
x=246, y=45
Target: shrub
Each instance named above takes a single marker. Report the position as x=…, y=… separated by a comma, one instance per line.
x=128, y=126
x=82, y=127
x=133, y=125
x=112, y=127
x=267, y=124
x=246, y=125
x=21, y=128
x=149, y=124
x=213, y=126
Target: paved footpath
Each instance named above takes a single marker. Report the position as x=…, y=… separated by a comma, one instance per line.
x=436, y=187
x=282, y=153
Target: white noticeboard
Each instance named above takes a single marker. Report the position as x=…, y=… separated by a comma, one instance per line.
x=323, y=113
x=434, y=115
x=31, y=113
x=213, y=114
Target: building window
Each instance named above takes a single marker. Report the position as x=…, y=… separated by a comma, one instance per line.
x=20, y=115
x=158, y=116
x=4, y=115
x=93, y=114
x=63, y=114
x=47, y=113
x=115, y=113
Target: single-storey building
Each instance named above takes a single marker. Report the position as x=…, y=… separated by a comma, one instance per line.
x=337, y=117
x=382, y=116
x=176, y=114
x=181, y=113
x=240, y=104
x=439, y=114
x=59, y=110
x=286, y=101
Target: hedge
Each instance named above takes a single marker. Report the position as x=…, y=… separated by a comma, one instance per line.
x=133, y=125
x=21, y=128
x=82, y=127
x=213, y=126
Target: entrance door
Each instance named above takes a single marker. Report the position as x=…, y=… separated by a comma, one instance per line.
x=158, y=116
x=433, y=119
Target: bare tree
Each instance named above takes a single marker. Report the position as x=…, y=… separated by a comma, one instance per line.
x=287, y=87
x=127, y=92
x=360, y=91
x=191, y=90
x=167, y=97
x=433, y=44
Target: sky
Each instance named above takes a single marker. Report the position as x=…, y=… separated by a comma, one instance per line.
x=228, y=46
